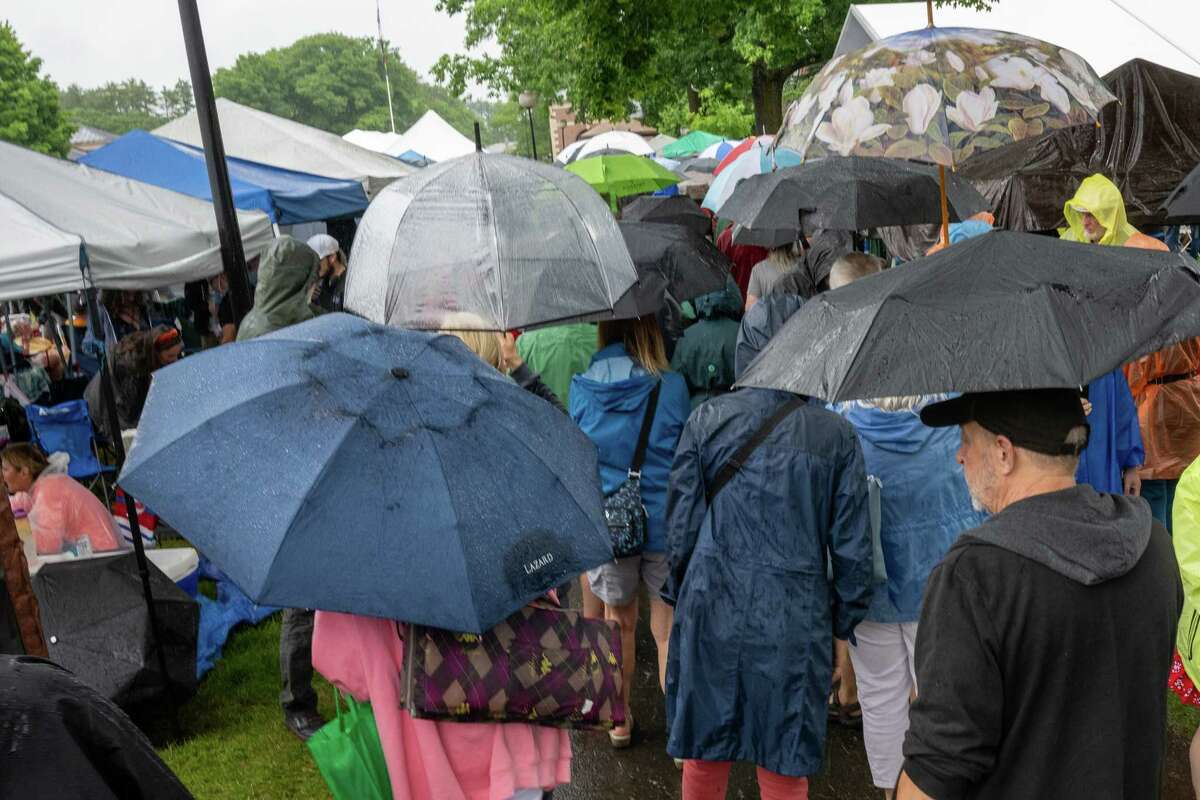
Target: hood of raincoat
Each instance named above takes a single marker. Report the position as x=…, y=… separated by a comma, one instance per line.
x=285, y=278
x=1080, y=534
x=761, y=323
x=924, y=501
x=608, y=403
x=725, y=302
x=1102, y=199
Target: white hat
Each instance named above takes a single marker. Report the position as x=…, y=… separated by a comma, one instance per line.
x=325, y=245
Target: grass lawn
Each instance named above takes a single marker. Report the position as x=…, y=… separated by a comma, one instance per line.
x=234, y=743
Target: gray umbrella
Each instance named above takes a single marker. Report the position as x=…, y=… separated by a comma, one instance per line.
x=1001, y=311
x=507, y=240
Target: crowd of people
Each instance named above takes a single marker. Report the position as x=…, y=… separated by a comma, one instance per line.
x=973, y=579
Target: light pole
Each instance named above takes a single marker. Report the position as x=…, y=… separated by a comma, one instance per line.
x=528, y=100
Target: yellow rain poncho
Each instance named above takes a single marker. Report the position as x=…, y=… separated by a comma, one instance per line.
x=1186, y=539
x=1100, y=197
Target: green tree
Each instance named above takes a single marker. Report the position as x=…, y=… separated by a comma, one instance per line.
x=602, y=54
x=29, y=108
x=177, y=100
x=118, y=107
x=336, y=82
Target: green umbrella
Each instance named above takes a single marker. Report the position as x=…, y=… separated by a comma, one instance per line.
x=691, y=144
x=622, y=175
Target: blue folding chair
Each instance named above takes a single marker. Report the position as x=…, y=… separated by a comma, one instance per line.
x=67, y=428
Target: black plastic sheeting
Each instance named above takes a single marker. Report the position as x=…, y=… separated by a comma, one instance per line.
x=1146, y=143
x=61, y=739
x=1183, y=206
x=96, y=624
x=1000, y=311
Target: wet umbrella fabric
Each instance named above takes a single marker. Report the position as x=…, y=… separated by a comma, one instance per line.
x=96, y=624
x=668, y=210
x=673, y=263
x=1001, y=311
x=370, y=470
x=1183, y=204
x=853, y=193
x=505, y=239
x=619, y=176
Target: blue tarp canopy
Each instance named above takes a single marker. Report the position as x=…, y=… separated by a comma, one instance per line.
x=287, y=197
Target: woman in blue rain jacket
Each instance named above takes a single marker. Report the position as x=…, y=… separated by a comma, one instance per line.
x=749, y=668
x=609, y=402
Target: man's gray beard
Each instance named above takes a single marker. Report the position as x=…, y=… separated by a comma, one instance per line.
x=977, y=504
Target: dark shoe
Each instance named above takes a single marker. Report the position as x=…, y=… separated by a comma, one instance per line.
x=304, y=723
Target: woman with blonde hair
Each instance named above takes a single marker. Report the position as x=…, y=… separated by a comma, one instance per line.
x=610, y=402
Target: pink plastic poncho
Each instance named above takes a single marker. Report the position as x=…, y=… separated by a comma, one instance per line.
x=428, y=759
x=64, y=511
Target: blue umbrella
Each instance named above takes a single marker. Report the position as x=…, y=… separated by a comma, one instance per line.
x=344, y=465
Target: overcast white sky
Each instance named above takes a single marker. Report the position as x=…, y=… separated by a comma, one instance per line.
x=89, y=42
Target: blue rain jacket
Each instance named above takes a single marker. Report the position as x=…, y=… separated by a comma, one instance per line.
x=609, y=402
x=924, y=502
x=1115, y=441
x=749, y=665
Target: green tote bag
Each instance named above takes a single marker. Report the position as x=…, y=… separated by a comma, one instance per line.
x=348, y=753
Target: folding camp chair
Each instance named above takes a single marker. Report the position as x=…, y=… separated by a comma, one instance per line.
x=67, y=427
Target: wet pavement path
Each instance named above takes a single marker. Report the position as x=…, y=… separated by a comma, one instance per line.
x=646, y=772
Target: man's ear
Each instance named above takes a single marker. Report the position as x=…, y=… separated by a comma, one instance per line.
x=1005, y=453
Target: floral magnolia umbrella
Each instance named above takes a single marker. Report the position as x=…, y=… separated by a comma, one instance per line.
x=941, y=95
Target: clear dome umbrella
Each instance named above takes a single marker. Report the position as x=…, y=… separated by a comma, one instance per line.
x=488, y=242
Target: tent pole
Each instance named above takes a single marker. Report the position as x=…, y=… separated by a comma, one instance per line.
x=232, y=255
x=72, y=343
x=108, y=392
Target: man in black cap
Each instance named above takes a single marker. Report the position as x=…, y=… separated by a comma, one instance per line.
x=1047, y=632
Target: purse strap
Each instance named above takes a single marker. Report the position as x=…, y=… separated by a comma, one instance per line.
x=738, y=459
x=639, y=455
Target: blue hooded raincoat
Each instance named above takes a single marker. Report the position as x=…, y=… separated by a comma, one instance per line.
x=924, y=502
x=1115, y=440
x=609, y=402
x=749, y=666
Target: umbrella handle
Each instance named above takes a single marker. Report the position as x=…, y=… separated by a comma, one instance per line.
x=942, y=190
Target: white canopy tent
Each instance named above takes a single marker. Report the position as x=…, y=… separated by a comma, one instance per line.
x=137, y=236
x=431, y=136
x=376, y=141
x=1106, y=33
x=258, y=136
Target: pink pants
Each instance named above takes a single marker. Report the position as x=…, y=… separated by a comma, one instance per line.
x=708, y=780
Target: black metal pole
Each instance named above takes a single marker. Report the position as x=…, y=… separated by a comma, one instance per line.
x=478, y=140
x=532, y=138
x=109, y=395
x=232, y=255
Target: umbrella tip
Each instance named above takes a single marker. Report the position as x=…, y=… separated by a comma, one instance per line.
x=399, y=372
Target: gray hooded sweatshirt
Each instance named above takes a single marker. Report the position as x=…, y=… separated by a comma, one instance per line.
x=1043, y=653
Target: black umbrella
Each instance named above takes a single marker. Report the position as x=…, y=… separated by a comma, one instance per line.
x=675, y=210
x=852, y=193
x=96, y=624
x=1183, y=204
x=1001, y=311
x=673, y=264
x=764, y=237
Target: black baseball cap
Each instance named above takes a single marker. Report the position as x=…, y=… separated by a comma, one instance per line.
x=1040, y=420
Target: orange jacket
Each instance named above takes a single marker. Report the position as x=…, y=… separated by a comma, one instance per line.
x=1166, y=388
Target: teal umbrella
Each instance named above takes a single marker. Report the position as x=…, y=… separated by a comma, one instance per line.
x=690, y=145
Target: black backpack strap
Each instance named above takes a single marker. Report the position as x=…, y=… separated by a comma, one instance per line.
x=639, y=455
x=735, y=462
